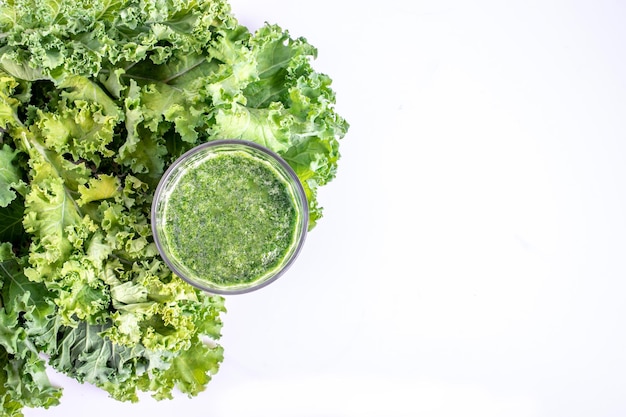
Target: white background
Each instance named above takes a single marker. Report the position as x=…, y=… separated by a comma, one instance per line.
x=472, y=257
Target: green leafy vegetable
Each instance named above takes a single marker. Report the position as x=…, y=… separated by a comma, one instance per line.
x=97, y=98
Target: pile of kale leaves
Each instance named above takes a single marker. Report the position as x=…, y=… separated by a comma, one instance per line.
x=97, y=98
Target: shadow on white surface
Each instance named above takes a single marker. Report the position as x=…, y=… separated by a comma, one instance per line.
x=340, y=396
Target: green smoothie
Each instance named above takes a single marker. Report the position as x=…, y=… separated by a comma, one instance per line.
x=230, y=219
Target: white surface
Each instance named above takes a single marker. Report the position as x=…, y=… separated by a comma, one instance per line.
x=472, y=257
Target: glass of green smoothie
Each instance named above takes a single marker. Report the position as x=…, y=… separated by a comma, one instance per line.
x=229, y=216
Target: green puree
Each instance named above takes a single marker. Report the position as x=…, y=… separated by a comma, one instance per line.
x=230, y=219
